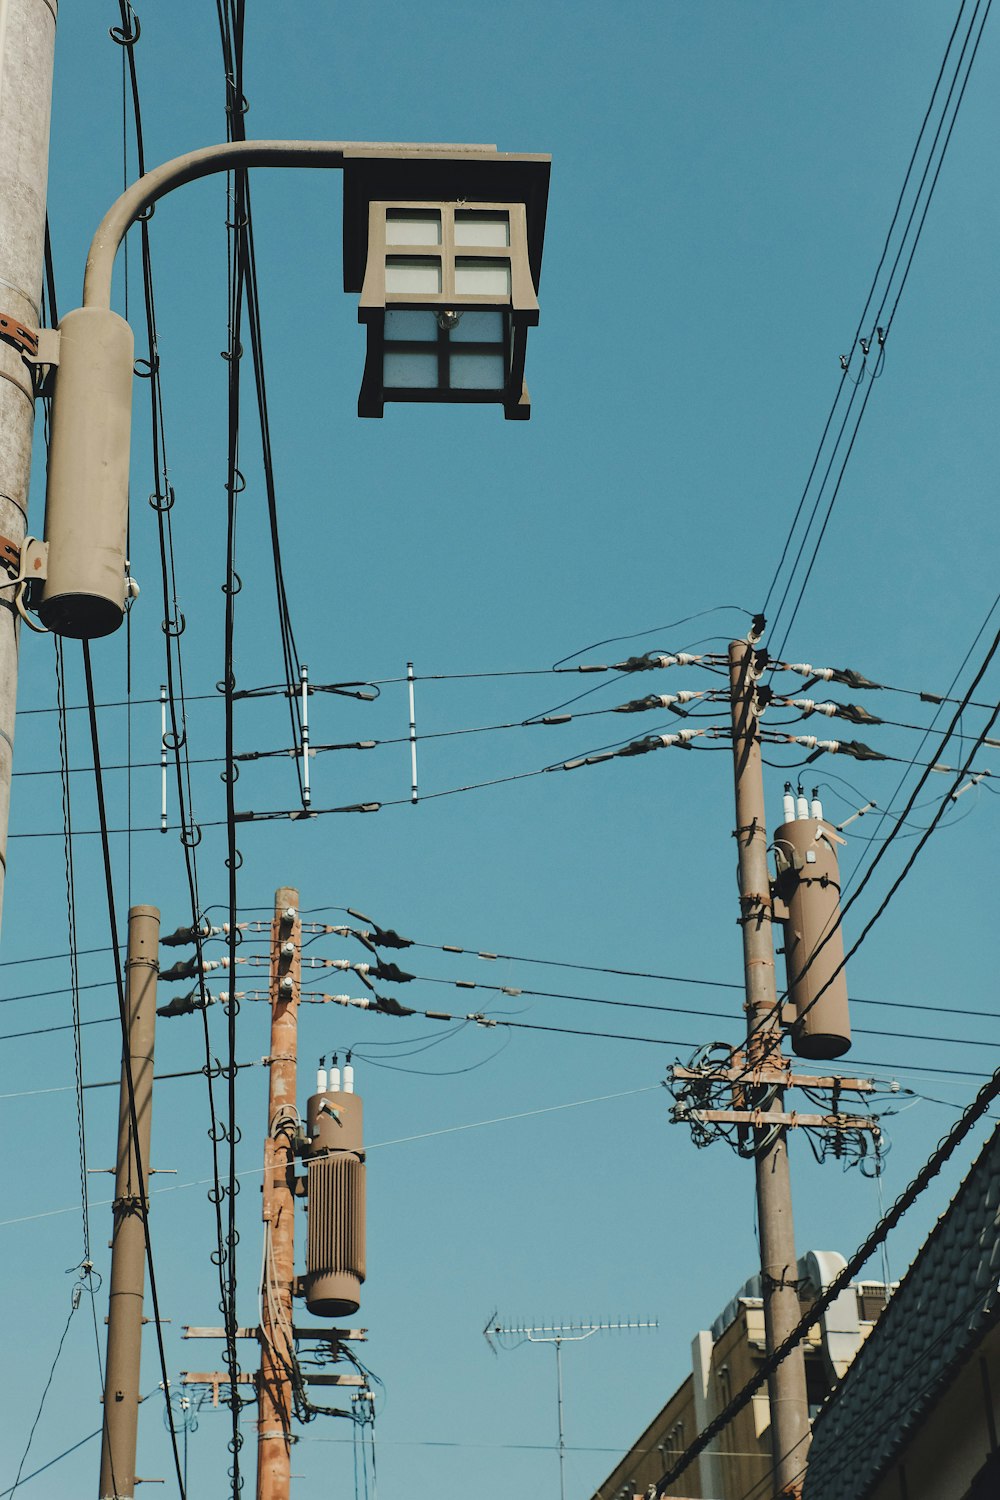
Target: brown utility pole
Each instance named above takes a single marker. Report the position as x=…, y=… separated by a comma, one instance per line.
x=787, y=1385
x=274, y=1420
x=131, y=1205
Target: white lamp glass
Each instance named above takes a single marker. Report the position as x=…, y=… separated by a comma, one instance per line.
x=476, y=372
x=413, y=226
x=481, y=276
x=413, y=273
x=482, y=228
x=476, y=327
x=407, y=371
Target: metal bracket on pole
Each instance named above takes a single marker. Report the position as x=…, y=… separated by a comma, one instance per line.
x=38, y=347
x=23, y=565
x=763, y=1119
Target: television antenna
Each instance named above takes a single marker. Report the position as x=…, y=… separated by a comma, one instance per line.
x=510, y=1335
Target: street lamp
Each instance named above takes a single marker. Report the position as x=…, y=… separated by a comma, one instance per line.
x=444, y=244
x=446, y=253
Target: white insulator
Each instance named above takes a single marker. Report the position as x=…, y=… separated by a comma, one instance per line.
x=788, y=807
x=348, y=1079
x=825, y=674
x=286, y=985
x=687, y=696
x=685, y=659
x=801, y=806
x=321, y=1080
x=288, y=950
x=289, y=914
x=334, y=1083
x=816, y=808
x=338, y=963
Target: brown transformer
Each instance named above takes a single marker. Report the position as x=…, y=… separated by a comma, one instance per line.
x=335, y=1245
x=808, y=886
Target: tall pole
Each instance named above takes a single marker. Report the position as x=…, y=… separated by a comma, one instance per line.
x=274, y=1417
x=131, y=1205
x=562, y=1440
x=27, y=42
x=787, y=1385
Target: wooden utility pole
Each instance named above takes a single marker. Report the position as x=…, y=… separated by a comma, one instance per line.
x=274, y=1421
x=131, y=1205
x=27, y=43
x=778, y=1267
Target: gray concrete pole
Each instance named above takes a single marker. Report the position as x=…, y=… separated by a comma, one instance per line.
x=778, y=1267
x=131, y=1204
x=27, y=44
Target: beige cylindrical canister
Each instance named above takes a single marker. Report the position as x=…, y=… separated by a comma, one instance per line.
x=335, y=1244
x=86, y=502
x=809, y=884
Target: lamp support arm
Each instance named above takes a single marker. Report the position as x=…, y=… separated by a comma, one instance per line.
x=227, y=156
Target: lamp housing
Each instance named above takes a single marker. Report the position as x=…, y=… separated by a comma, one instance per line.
x=445, y=250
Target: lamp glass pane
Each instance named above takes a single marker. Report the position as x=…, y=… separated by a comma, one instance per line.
x=476, y=327
x=413, y=273
x=404, y=323
x=480, y=277
x=413, y=226
x=476, y=372
x=409, y=371
x=481, y=228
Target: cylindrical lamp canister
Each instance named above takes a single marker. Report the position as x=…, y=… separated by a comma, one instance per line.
x=86, y=500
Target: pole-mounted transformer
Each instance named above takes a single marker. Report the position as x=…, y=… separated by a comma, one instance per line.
x=335, y=1158
x=807, y=889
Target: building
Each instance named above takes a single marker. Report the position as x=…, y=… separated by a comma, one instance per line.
x=917, y=1416
x=737, y=1465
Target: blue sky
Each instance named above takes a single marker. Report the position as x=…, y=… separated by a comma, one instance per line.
x=723, y=179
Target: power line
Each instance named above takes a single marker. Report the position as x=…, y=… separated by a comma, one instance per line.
x=881, y=332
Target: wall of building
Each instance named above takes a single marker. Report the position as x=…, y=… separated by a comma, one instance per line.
x=954, y=1439
x=737, y=1465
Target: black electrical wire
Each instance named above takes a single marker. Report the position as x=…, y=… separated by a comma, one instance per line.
x=74, y=1304
x=231, y=20
x=162, y=502
x=870, y=299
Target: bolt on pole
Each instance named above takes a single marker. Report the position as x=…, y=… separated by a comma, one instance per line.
x=787, y=1385
x=131, y=1206
x=274, y=1419
x=27, y=44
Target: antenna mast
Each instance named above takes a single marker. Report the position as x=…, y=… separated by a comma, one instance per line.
x=557, y=1334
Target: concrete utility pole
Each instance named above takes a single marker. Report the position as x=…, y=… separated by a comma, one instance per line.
x=27, y=43
x=274, y=1419
x=131, y=1205
x=787, y=1385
